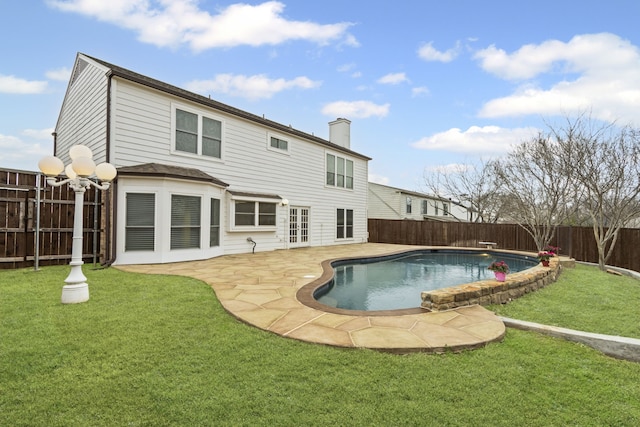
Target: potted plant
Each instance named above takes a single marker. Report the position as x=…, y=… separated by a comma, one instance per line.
x=553, y=250
x=500, y=270
x=544, y=257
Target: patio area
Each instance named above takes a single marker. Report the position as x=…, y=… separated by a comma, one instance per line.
x=260, y=289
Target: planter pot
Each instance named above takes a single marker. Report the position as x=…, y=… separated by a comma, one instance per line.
x=545, y=263
x=500, y=276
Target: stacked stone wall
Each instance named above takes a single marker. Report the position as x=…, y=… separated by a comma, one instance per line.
x=486, y=292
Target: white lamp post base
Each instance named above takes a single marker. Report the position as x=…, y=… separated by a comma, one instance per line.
x=72, y=294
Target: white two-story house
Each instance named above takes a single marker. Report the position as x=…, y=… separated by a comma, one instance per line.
x=198, y=178
x=387, y=202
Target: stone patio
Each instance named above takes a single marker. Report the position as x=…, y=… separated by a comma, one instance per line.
x=260, y=289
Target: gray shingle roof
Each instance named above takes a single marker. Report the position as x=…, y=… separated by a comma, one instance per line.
x=168, y=171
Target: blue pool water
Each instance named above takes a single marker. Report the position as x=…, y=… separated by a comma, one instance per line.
x=396, y=282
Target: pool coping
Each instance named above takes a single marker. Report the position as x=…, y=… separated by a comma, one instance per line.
x=454, y=296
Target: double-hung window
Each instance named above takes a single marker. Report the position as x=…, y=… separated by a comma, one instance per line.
x=140, y=222
x=197, y=134
x=185, y=222
x=409, y=205
x=339, y=172
x=425, y=207
x=344, y=224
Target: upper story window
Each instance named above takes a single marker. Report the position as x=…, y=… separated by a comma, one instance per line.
x=425, y=207
x=445, y=209
x=197, y=134
x=409, y=205
x=278, y=144
x=339, y=172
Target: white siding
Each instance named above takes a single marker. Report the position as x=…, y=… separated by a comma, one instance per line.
x=384, y=202
x=142, y=133
x=83, y=115
x=391, y=203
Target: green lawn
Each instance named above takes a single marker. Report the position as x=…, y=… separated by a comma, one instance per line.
x=583, y=298
x=160, y=350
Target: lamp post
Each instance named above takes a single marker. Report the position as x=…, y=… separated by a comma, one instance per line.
x=78, y=172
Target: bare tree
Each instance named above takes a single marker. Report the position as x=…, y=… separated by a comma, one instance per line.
x=538, y=192
x=605, y=163
x=473, y=185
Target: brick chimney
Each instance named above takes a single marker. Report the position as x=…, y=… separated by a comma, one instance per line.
x=340, y=132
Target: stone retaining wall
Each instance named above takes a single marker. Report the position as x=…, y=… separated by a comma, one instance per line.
x=487, y=292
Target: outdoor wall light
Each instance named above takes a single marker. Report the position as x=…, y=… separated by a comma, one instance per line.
x=78, y=172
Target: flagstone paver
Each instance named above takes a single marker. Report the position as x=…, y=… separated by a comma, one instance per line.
x=260, y=289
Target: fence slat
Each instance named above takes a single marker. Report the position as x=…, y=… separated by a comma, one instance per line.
x=576, y=242
x=18, y=219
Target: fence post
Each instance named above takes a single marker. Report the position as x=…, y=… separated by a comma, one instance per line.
x=36, y=253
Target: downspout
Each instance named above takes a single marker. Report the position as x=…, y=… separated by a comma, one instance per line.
x=110, y=238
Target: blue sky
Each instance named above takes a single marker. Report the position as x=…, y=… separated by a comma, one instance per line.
x=426, y=84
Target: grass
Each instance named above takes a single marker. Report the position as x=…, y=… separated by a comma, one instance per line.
x=583, y=298
x=160, y=350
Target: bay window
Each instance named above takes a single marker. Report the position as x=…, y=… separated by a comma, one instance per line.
x=140, y=222
x=185, y=222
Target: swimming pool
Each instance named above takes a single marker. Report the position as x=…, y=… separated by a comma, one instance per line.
x=396, y=281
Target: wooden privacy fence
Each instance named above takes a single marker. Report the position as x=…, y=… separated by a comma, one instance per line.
x=576, y=242
x=36, y=221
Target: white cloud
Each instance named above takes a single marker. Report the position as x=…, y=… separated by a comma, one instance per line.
x=345, y=68
x=420, y=91
x=251, y=87
x=607, y=81
x=39, y=133
x=182, y=22
x=476, y=139
x=393, y=79
x=12, y=84
x=378, y=179
x=18, y=154
x=61, y=74
x=355, y=109
x=429, y=53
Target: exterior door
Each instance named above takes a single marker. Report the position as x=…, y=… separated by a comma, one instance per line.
x=298, y=226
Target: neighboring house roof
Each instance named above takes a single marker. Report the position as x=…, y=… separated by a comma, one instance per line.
x=115, y=70
x=413, y=193
x=168, y=171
